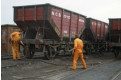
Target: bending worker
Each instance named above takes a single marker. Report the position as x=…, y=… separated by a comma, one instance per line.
x=15, y=37
x=78, y=52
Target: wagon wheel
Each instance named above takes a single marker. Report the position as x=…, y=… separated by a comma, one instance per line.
x=49, y=53
x=28, y=53
x=116, y=52
x=68, y=49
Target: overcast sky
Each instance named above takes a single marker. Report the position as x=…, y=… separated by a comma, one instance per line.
x=98, y=9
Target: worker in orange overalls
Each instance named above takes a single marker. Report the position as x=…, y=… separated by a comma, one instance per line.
x=15, y=37
x=78, y=52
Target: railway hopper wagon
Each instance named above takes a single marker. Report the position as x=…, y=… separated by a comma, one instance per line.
x=96, y=32
x=114, y=35
x=48, y=28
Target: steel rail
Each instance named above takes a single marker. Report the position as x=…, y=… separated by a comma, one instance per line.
x=116, y=75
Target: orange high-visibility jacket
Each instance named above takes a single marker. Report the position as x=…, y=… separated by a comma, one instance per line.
x=16, y=36
x=78, y=45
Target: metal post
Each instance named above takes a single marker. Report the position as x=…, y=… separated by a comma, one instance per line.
x=96, y=30
x=77, y=24
x=119, y=30
x=23, y=13
x=119, y=38
x=35, y=14
x=44, y=21
x=62, y=24
x=119, y=24
x=100, y=31
x=70, y=27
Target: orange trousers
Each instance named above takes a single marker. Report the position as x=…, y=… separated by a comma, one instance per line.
x=15, y=50
x=76, y=55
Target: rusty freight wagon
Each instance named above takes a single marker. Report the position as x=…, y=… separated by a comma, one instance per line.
x=114, y=35
x=48, y=28
x=96, y=32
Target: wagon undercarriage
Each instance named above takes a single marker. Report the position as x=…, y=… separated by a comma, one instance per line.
x=50, y=48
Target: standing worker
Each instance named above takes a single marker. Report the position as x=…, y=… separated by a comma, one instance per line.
x=78, y=52
x=15, y=37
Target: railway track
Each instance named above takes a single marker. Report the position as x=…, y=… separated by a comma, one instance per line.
x=115, y=77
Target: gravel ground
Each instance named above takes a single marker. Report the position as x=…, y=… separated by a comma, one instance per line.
x=59, y=68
